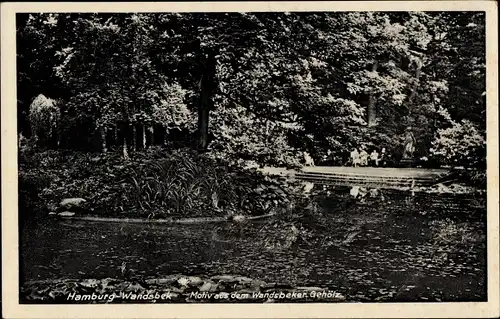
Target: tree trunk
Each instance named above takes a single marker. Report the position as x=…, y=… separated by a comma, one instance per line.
x=103, y=130
x=125, y=150
x=413, y=92
x=151, y=130
x=207, y=89
x=134, y=138
x=116, y=136
x=144, y=136
x=165, y=134
x=372, y=108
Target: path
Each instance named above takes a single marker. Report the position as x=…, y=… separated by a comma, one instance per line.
x=376, y=176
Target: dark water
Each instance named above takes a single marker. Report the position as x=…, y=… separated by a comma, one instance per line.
x=422, y=248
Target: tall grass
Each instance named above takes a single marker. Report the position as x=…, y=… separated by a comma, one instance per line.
x=187, y=183
x=184, y=184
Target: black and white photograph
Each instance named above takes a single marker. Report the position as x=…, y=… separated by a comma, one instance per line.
x=254, y=157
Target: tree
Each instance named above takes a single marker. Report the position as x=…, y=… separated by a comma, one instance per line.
x=265, y=86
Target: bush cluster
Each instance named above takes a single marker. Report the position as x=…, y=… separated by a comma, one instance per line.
x=154, y=183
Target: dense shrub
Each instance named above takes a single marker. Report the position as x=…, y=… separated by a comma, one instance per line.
x=31, y=204
x=157, y=183
x=44, y=117
x=460, y=145
x=472, y=177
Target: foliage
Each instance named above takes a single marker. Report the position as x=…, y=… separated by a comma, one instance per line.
x=172, y=111
x=157, y=183
x=44, y=115
x=284, y=83
x=462, y=144
x=473, y=177
x=448, y=232
x=246, y=141
x=31, y=204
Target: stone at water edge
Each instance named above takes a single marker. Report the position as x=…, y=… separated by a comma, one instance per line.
x=66, y=214
x=89, y=283
x=243, y=280
x=226, y=278
x=442, y=188
x=71, y=203
x=238, y=218
x=255, y=283
x=161, y=281
x=195, y=281
x=354, y=191
x=208, y=287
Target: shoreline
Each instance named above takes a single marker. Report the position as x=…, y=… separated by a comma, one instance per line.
x=194, y=220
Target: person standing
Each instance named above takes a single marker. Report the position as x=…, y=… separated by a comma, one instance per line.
x=363, y=157
x=355, y=157
x=382, y=157
x=374, y=157
x=308, y=159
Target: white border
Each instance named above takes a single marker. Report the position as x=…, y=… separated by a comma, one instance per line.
x=11, y=308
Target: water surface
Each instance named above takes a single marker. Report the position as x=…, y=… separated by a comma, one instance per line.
x=393, y=255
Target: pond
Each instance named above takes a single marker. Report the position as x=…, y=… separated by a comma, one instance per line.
x=426, y=247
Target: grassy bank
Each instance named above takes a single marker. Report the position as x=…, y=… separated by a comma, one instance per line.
x=156, y=183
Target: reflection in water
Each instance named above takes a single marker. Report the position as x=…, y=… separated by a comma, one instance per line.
x=354, y=191
x=373, y=248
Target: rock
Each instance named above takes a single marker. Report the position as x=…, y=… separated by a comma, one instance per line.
x=52, y=213
x=66, y=214
x=72, y=203
x=267, y=285
x=225, y=278
x=442, y=188
x=195, y=281
x=135, y=287
x=161, y=281
x=89, y=283
x=354, y=191
x=257, y=283
x=208, y=287
x=244, y=280
x=239, y=218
